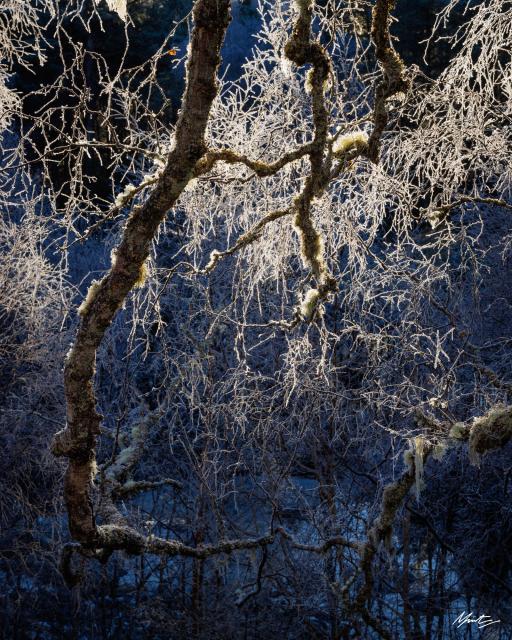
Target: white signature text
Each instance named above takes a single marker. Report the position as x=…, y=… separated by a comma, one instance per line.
x=468, y=618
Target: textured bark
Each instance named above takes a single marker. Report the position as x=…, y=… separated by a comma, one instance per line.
x=393, y=81
x=301, y=50
x=381, y=530
x=77, y=441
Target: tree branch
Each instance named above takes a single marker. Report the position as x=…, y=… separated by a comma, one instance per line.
x=261, y=169
x=244, y=240
x=77, y=441
x=485, y=433
x=393, y=69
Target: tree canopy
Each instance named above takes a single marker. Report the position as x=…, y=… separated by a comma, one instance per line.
x=255, y=345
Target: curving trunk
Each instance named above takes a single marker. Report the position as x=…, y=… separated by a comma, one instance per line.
x=77, y=441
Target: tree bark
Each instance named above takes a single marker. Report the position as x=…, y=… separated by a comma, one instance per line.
x=77, y=441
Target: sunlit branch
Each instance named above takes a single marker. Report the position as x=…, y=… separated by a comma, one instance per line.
x=393, y=81
x=260, y=168
x=246, y=239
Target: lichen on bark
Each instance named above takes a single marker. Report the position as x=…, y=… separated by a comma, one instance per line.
x=77, y=442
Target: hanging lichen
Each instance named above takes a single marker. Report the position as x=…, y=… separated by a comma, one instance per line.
x=439, y=450
x=413, y=459
x=409, y=459
x=94, y=470
x=458, y=431
x=419, y=448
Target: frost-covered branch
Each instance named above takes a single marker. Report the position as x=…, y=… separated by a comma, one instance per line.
x=393, y=81
x=438, y=214
x=260, y=168
x=244, y=240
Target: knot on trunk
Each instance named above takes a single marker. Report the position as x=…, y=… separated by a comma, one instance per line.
x=64, y=445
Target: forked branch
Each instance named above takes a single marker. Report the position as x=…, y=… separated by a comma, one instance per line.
x=77, y=442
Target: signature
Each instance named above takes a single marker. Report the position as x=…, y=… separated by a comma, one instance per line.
x=482, y=621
